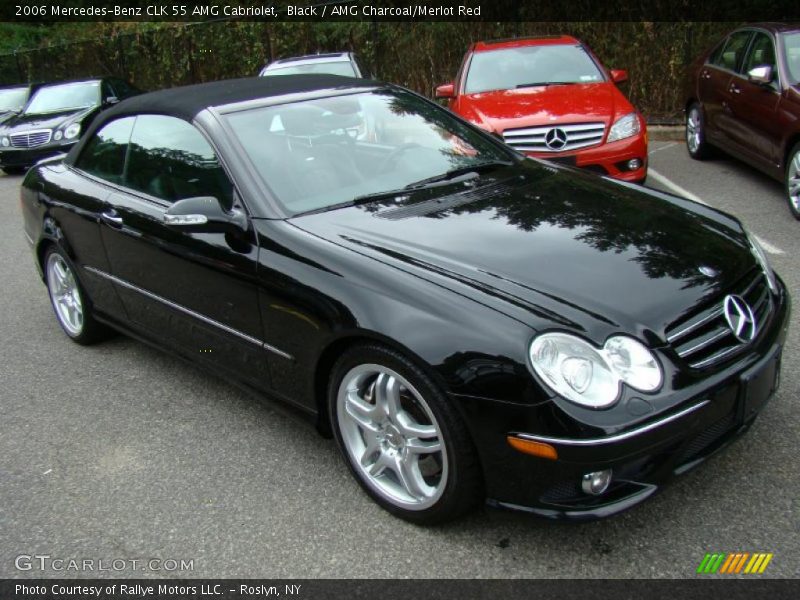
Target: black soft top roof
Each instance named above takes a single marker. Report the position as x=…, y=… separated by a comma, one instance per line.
x=186, y=102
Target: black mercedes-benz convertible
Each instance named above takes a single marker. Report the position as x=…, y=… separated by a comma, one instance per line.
x=469, y=324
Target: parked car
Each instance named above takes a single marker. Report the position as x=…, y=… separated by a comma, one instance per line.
x=13, y=98
x=550, y=97
x=54, y=118
x=460, y=317
x=742, y=96
x=337, y=63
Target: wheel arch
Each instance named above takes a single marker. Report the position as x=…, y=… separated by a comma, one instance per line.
x=791, y=142
x=339, y=345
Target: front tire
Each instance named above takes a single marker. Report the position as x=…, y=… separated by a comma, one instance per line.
x=69, y=300
x=792, y=181
x=403, y=441
x=696, y=144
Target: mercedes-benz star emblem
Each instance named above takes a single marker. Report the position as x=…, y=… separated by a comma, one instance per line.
x=555, y=139
x=740, y=318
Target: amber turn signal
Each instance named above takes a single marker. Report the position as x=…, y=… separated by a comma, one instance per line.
x=535, y=448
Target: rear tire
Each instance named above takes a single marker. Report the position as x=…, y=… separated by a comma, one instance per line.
x=402, y=439
x=792, y=181
x=70, y=302
x=696, y=144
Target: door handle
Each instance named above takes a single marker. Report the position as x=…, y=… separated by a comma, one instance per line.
x=112, y=218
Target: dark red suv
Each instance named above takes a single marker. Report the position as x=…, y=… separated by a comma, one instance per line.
x=743, y=97
x=550, y=97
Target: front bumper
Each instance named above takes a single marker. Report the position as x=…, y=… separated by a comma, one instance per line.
x=27, y=157
x=606, y=159
x=643, y=457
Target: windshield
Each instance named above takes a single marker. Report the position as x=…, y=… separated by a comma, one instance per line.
x=518, y=67
x=331, y=68
x=68, y=96
x=13, y=98
x=791, y=49
x=322, y=153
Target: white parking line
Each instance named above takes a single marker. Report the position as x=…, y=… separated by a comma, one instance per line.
x=681, y=191
x=660, y=148
x=768, y=247
x=651, y=172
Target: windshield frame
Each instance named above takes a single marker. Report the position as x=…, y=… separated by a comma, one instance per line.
x=45, y=88
x=259, y=195
x=605, y=78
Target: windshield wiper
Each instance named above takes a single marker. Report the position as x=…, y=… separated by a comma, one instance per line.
x=545, y=83
x=452, y=174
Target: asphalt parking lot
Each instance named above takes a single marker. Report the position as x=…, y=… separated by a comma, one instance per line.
x=120, y=452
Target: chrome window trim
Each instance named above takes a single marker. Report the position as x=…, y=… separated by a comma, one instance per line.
x=613, y=438
x=190, y=312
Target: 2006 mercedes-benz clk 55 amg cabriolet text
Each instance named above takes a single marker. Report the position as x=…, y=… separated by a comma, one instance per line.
x=467, y=323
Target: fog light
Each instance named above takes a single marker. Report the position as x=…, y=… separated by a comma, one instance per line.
x=597, y=482
x=634, y=164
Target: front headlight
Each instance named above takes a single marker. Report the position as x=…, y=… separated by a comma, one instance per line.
x=589, y=376
x=625, y=127
x=72, y=131
x=5, y=141
x=763, y=261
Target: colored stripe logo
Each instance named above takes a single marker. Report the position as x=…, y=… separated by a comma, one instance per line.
x=735, y=563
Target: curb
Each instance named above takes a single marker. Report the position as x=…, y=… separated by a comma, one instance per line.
x=665, y=133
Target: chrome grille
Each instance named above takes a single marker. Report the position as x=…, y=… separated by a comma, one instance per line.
x=705, y=339
x=575, y=135
x=29, y=139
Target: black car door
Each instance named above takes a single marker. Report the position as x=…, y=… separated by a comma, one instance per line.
x=195, y=292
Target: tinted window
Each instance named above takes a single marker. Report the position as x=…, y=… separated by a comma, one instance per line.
x=521, y=67
x=171, y=160
x=104, y=154
x=121, y=88
x=731, y=56
x=762, y=52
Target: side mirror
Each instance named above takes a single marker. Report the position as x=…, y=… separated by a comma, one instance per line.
x=619, y=75
x=760, y=75
x=204, y=214
x=110, y=100
x=445, y=91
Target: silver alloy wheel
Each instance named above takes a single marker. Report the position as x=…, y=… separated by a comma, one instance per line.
x=392, y=437
x=694, y=128
x=64, y=294
x=793, y=181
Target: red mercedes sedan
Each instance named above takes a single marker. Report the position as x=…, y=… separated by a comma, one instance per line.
x=550, y=97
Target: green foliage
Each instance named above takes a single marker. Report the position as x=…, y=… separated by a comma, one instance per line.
x=418, y=55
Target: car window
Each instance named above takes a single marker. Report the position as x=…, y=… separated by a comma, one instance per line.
x=331, y=68
x=104, y=154
x=13, y=98
x=731, y=56
x=67, y=96
x=171, y=160
x=121, y=88
x=319, y=153
x=791, y=50
x=762, y=52
x=511, y=68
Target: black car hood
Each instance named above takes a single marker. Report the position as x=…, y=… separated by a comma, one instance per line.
x=25, y=122
x=554, y=248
